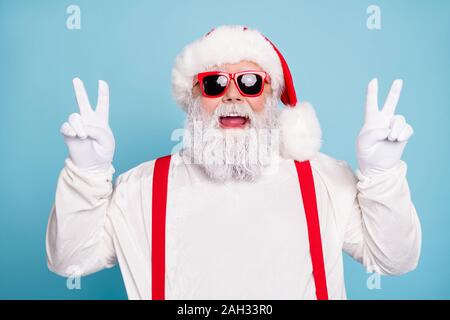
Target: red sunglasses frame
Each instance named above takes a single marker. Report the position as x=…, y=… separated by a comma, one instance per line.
x=232, y=76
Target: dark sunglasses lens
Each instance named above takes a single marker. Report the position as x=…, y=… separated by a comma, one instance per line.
x=214, y=85
x=250, y=83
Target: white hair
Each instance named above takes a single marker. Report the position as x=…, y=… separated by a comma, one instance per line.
x=225, y=154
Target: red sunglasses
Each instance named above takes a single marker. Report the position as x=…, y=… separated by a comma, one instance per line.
x=249, y=83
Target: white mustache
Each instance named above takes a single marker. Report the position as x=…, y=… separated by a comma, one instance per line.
x=234, y=110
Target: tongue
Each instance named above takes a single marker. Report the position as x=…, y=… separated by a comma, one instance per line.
x=232, y=122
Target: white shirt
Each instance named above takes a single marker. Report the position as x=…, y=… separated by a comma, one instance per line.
x=233, y=240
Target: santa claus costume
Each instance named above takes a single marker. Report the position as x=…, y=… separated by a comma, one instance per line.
x=178, y=234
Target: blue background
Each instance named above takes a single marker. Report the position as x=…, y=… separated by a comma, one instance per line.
x=132, y=45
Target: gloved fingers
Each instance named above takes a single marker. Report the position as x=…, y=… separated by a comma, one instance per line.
x=103, y=101
x=67, y=130
x=76, y=122
x=392, y=99
x=372, y=97
x=100, y=135
x=370, y=137
x=397, y=124
x=406, y=133
x=82, y=97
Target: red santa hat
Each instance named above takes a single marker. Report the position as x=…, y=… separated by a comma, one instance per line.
x=300, y=129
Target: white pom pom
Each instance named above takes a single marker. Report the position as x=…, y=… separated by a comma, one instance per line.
x=301, y=136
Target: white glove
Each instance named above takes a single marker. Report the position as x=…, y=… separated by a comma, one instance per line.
x=87, y=134
x=383, y=137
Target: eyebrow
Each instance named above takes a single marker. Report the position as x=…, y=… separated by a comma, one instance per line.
x=248, y=68
x=216, y=68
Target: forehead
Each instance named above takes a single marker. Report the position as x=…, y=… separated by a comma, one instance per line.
x=235, y=67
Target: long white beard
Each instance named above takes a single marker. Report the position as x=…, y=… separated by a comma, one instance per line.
x=224, y=154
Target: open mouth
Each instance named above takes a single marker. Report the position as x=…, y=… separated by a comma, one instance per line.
x=233, y=121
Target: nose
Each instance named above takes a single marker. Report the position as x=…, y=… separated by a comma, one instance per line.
x=232, y=95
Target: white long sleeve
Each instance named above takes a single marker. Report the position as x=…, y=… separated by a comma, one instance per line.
x=383, y=230
x=79, y=231
x=233, y=240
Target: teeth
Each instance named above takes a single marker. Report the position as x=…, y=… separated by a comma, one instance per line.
x=234, y=115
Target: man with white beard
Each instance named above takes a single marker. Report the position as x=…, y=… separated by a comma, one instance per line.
x=233, y=153
x=249, y=208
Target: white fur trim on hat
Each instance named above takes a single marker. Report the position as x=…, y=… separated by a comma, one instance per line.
x=301, y=136
x=225, y=44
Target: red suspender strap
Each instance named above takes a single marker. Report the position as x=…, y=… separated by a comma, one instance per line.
x=307, y=189
x=159, y=201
